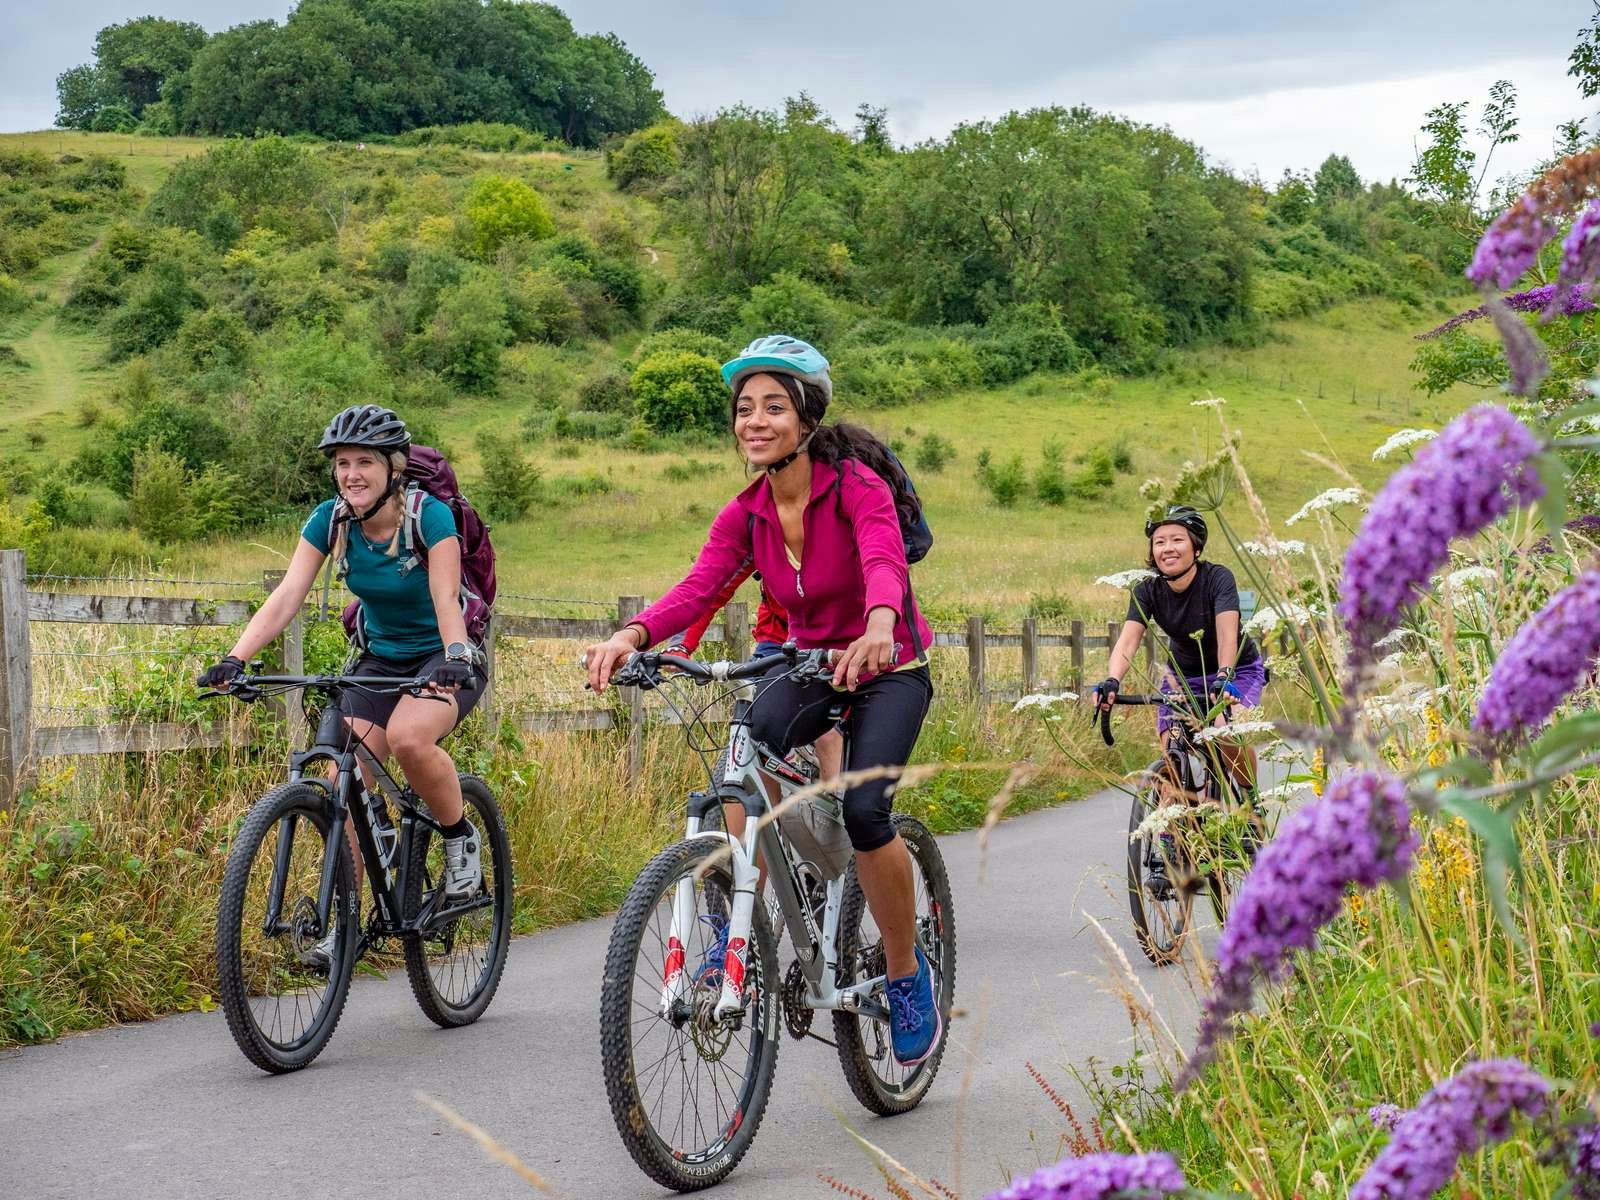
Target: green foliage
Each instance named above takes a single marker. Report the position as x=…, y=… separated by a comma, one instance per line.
x=510, y=484
x=1007, y=483
x=607, y=393
x=500, y=208
x=14, y=297
x=1458, y=357
x=464, y=337
x=492, y=136
x=214, y=338
x=159, y=500
x=540, y=309
x=154, y=313
x=791, y=305
x=362, y=69
x=268, y=182
x=934, y=453
x=693, y=341
x=188, y=432
x=646, y=158
x=676, y=390
x=1049, y=478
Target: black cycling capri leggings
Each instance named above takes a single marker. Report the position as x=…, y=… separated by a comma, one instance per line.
x=884, y=720
x=378, y=707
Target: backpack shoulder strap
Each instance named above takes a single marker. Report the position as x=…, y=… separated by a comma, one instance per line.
x=411, y=523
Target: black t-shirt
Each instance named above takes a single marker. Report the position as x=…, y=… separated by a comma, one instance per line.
x=1181, y=614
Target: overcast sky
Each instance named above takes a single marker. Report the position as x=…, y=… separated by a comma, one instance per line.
x=1261, y=87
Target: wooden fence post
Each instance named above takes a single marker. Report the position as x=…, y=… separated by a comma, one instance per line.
x=1077, y=656
x=975, y=666
x=487, y=701
x=294, y=662
x=629, y=607
x=736, y=629
x=16, y=678
x=1030, y=654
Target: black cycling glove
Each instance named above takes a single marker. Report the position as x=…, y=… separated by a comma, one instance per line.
x=452, y=672
x=221, y=674
x=1106, y=690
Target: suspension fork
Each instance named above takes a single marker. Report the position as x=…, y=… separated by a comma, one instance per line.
x=746, y=880
x=330, y=852
x=273, y=924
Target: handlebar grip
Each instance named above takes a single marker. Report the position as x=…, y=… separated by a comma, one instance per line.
x=1105, y=727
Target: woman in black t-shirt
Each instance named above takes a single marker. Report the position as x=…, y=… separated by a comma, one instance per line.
x=1196, y=604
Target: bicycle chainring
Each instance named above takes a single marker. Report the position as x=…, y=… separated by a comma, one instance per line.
x=797, y=1011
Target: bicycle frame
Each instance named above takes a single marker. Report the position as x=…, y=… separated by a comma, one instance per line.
x=336, y=743
x=750, y=766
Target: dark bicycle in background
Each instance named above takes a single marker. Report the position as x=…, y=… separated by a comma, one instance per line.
x=1186, y=832
x=289, y=926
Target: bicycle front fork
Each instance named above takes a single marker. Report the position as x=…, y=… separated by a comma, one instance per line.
x=677, y=980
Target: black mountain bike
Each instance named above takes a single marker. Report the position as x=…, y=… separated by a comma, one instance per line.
x=1208, y=845
x=289, y=929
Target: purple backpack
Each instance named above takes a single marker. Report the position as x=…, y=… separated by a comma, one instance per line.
x=428, y=473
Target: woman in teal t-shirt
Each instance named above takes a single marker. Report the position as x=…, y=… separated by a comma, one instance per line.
x=411, y=617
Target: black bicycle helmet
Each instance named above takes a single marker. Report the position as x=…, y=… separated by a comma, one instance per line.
x=1181, y=514
x=369, y=425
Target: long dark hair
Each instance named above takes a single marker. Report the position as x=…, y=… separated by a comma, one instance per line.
x=842, y=443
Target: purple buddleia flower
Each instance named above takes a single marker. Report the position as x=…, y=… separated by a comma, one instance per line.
x=1510, y=245
x=1542, y=663
x=1586, y=526
x=1583, y=1161
x=1099, y=1177
x=1526, y=362
x=1458, y=484
x=1578, y=300
x=1467, y=1111
x=1358, y=833
x=1384, y=1116
x=1580, y=252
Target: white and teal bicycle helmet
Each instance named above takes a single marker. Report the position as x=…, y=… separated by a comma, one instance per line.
x=781, y=354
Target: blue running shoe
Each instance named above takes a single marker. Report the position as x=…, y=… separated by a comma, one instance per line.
x=914, y=1020
x=710, y=969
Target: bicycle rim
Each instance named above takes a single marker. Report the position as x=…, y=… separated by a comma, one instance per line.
x=686, y=1092
x=1161, y=914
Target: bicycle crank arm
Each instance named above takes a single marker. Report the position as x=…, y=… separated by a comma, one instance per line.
x=444, y=916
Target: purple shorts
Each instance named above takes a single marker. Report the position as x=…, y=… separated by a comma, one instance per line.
x=1250, y=679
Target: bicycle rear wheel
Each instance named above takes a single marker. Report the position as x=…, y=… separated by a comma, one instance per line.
x=455, y=967
x=1160, y=901
x=282, y=983
x=878, y=1081
x=687, y=1092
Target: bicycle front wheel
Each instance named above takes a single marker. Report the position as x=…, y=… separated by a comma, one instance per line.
x=455, y=965
x=687, y=1092
x=1159, y=894
x=878, y=1080
x=282, y=978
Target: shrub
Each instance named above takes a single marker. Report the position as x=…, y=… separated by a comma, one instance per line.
x=540, y=309
x=510, y=483
x=86, y=551
x=464, y=338
x=154, y=313
x=99, y=286
x=126, y=245
x=1121, y=456
x=1096, y=477
x=701, y=311
x=214, y=338
x=217, y=501
x=586, y=426
x=267, y=181
x=490, y=136
x=188, y=432
x=789, y=304
x=590, y=483
x=688, y=469
x=934, y=452
x=693, y=341
x=645, y=158
x=607, y=393
x=64, y=504
x=1008, y=482
x=501, y=208
x=622, y=282
x=1050, y=479
x=13, y=296
x=677, y=390
x=160, y=501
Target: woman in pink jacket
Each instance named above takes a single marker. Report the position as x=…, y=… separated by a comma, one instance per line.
x=822, y=525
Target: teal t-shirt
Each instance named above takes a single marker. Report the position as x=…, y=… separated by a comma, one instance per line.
x=397, y=608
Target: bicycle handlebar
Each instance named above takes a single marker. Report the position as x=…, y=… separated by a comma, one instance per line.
x=644, y=668
x=252, y=687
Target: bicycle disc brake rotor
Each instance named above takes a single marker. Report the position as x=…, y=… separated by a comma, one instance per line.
x=797, y=1011
x=302, y=921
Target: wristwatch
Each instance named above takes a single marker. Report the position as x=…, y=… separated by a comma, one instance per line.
x=458, y=652
x=1226, y=673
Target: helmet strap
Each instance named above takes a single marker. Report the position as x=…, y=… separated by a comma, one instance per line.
x=1194, y=566
x=774, y=468
x=388, y=493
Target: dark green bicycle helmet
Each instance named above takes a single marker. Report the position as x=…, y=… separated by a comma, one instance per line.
x=1184, y=515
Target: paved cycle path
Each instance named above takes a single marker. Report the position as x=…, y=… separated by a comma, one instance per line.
x=171, y=1109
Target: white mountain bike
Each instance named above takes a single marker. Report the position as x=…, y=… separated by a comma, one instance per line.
x=692, y=1000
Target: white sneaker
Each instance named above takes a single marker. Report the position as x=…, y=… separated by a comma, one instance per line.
x=463, y=866
x=321, y=955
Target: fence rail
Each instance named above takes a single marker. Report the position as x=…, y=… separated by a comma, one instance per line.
x=22, y=742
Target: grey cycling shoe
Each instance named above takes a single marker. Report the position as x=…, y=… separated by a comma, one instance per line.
x=463, y=865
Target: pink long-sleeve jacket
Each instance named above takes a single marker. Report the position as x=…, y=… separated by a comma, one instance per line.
x=854, y=560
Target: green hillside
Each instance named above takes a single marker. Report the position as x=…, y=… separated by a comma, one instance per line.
x=172, y=351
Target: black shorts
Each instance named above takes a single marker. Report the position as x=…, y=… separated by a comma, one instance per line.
x=378, y=707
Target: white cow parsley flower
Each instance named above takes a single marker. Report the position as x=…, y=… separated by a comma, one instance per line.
x=1276, y=548
x=1043, y=701
x=1125, y=579
x=1236, y=729
x=1208, y=402
x=1403, y=440
x=1332, y=498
